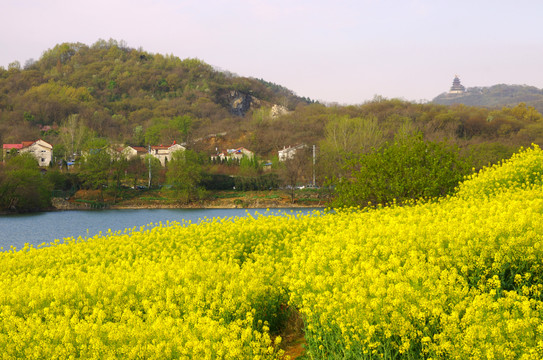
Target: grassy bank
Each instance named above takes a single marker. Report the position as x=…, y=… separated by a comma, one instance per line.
x=168, y=198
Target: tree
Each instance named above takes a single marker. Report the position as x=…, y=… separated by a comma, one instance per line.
x=95, y=167
x=138, y=138
x=185, y=173
x=119, y=167
x=353, y=134
x=22, y=185
x=347, y=136
x=182, y=124
x=72, y=136
x=153, y=169
x=293, y=170
x=135, y=170
x=409, y=168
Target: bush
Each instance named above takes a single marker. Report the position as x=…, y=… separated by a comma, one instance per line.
x=218, y=182
x=23, y=187
x=410, y=168
x=261, y=182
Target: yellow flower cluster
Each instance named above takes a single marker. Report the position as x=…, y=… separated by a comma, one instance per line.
x=171, y=291
x=456, y=278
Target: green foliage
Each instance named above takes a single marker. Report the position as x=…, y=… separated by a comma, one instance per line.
x=95, y=167
x=183, y=125
x=48, y=102
x=22, y=185
x=346, y=136
x=153, y=169
x=218, y=182
x=261, y=182
x=250, y=166
x=62, y=181
x=115, y=88
x=166, y=131
x=185, y=173
x=489, y=153
x=409, y=168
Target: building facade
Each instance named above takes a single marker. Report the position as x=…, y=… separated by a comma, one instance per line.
x=288, y=153
x=41, y=150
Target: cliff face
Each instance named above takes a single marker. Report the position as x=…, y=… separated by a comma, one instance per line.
x=240, y=102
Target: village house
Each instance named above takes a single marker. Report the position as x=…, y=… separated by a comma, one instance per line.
x=161, y=152
x=41, y=150
x=288, y=153
x=132, y=152
x=164, y=153
x=237, y=154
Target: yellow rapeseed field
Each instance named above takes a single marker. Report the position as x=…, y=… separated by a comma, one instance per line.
x=453, y=278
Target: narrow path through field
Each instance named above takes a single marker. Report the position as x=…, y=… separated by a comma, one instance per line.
x=293, y=337
x=295, y=349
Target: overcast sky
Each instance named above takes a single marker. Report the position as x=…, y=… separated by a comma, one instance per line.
x=343, y=51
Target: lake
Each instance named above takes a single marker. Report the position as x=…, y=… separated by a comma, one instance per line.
x=38, y=228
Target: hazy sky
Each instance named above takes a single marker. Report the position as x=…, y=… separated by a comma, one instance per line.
x=343, y=51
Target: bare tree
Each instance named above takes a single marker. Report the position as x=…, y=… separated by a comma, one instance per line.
x=295, y=170
x=72, y=135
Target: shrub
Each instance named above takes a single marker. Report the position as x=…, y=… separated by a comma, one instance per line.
x=409, y=168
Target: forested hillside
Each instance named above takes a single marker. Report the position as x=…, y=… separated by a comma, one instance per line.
x=127, y=95
x=79, y=98
x=130, y=96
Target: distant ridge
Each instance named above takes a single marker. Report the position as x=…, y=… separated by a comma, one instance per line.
x=495, y=96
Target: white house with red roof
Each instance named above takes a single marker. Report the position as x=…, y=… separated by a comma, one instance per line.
x=41, y=150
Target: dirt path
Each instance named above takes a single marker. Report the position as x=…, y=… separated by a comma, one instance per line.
x=293, y=337
x=295, y=349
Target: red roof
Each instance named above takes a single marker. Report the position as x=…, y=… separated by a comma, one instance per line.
x=12, y=146
x=27, y=143
x=139, y=148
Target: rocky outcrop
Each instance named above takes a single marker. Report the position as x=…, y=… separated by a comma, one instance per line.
x=240, y=102
x=278, y=110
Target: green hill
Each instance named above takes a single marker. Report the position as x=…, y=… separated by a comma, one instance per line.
x=495, y=96
x=120, y=92
x=130, y=96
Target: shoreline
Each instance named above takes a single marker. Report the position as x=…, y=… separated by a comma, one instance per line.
x=92, y=200
x=77, y=207
x=60, y=204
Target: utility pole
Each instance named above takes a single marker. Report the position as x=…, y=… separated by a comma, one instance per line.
x=313, y=165
x=149, y=166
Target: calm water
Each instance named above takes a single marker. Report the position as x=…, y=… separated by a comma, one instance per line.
x=35, y=229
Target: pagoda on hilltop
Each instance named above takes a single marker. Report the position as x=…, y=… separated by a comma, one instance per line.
x=456, y=87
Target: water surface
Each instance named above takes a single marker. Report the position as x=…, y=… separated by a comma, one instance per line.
x=38, y=228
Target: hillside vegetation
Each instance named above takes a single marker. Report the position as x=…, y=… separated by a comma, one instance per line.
x=130, y=96
x=89, y=101
x=120, y=93
x=456, y=278
x=495, y=96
